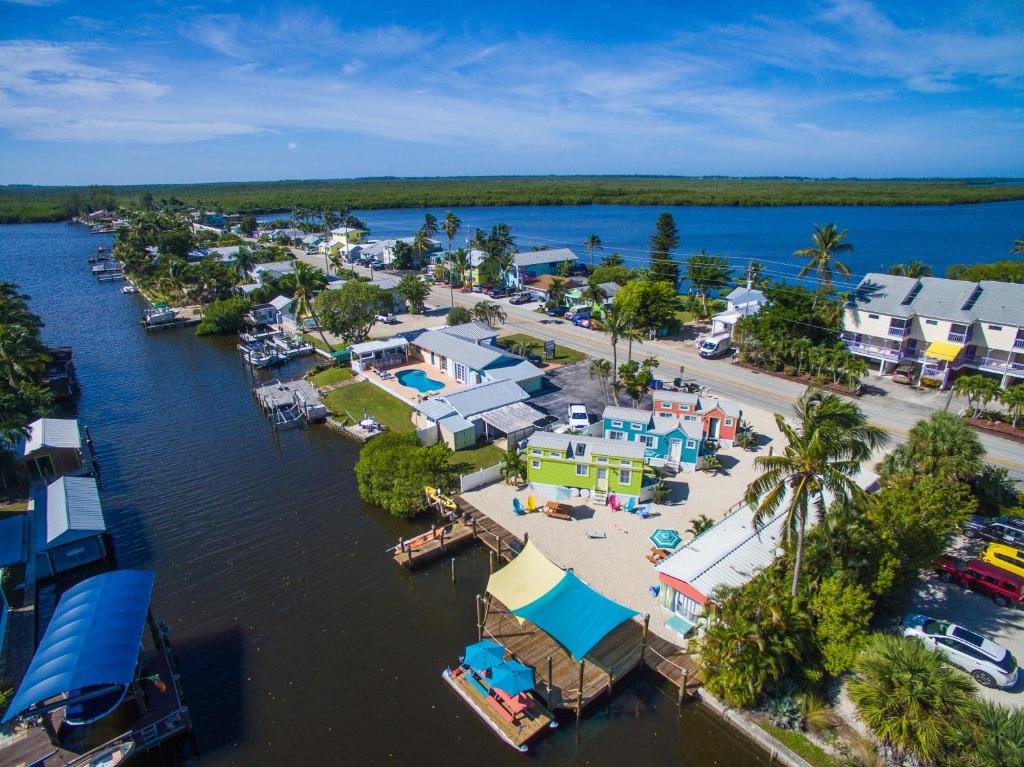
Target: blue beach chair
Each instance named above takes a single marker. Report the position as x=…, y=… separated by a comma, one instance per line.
x=517, y=507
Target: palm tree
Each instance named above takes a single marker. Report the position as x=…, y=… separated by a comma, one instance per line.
x=993, y=735
x=1018, y=246
x=429, y=225
x=913, y=269
x=1013, y=398
x=941, y=446
x=489, y=312
x=856, y=369
x=557, y=290
x=513, y=466
x=336, y=261
x=613, y=259
x=307, y=281
x=592, y=243
x=821, y=256
x=175, y=277
x=421, y=242
x=823, y=453
x=800, y=350
x=702, y=523
x=450, y=226
x=910, y=696
x=459, y=264
x=614, y=323
x=630, y=334
x=244, y=262
x=594, y=294
x=601, y=369
x=22, y=356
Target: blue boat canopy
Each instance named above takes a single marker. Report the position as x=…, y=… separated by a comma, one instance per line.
x=93, y=640
x=575, y=614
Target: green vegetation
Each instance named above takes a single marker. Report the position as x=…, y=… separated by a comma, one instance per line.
x=1000, y=271
x=393, y=469
x=223, y=316
x=664, y=240
x=479, y=457
x=315, y=340
x=532, y=345
x=40, y=203
x=799, y=743
x=459, y=315
x=351, y=311
x=364, y=396
x=332, y=376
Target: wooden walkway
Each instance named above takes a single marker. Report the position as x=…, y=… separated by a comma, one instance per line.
x=490, y=533
x=432, y=545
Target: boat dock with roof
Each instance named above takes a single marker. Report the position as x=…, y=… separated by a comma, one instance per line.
x=288, y=403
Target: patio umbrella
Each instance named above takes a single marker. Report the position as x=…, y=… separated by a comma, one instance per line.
x=512, y=677
x=666, y=539
x=484, y=655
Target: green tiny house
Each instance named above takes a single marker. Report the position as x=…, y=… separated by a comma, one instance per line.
x=584, y=462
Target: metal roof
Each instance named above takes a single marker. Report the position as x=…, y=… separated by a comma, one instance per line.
x=73, y=510
x=626, y=414
x=53, y=432
x=551, y=256
x=470, y=331
x=610, y=288
x=617, y=448
x=683, y=398
x=944, y=299
x=12, y=543
x=523, y=370
x=885, y=294
x=281, y=302
x=728, y=407
x=435, y=408
x=468, y=353
x=93, y=639
x=474, y=400
x=745, y=295
x=396, y=342
x=386, y=281
x=692, y=429
x=512, y=418
x=455, y=423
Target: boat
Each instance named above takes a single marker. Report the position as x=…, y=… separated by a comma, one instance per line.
x=292, y=345
x=438, y=501
x=515, y=719
x=129, y=289
x=112, y=755
x=160, y=314
x=60, y=374
x=259, y=355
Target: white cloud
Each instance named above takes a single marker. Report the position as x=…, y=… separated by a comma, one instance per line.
x=292, y=146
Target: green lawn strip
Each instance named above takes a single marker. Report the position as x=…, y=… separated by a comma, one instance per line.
x=563, y=354
x=354, y=399
x=316, y=340
x=480, y=457
x=796, y=741
x=332, y=376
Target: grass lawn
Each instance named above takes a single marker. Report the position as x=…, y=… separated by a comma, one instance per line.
x=798, y=743
x=377, y=402
x=563, y=354
x=684, y=316
x=480, y=457
x=316, y=340
x=332, y=376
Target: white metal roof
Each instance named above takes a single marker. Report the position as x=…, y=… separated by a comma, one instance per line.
x=281, y=303
x=684, y=398
x=475, y=331
x=512, y=418
x=72, y=510
x=590, y=446
x=632, y=414
x=53, y=432
x=396, y=342
x=468, y=353
x=550, y=256
x=474, y=400
x=523, y=370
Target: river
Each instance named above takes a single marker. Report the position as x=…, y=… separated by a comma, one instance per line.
x=299, y=641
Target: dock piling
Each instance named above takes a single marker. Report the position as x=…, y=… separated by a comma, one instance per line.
x=490, y=561
x=453, y=569
x=579, y=695
x=551, y=676
x=643, y=637
x=479, y=621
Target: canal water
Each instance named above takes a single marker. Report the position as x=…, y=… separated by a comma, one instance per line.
x=881, y=236
x=299, y=641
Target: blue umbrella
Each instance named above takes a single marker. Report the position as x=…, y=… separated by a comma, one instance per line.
x=483, y=655
x=666, y=539
x=512, y=677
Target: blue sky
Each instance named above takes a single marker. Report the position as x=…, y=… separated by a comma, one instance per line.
x=125, y=92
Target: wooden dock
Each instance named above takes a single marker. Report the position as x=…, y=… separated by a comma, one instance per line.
x=178, y=322
x=432, y=545
x=495, y=537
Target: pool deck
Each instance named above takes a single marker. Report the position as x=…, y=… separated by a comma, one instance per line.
x=408, y=393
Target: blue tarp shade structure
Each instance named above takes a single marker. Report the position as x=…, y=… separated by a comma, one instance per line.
x=93, y=639
x=575, y=615
x=512, y=677
x=483, y=655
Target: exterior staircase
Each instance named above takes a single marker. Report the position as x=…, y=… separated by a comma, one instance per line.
x=600, y=496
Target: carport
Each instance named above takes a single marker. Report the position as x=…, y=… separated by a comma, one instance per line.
x=515, y=422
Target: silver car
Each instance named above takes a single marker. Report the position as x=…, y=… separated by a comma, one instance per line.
x=990, y=664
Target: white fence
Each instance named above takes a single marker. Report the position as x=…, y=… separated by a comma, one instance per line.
x=480, y=478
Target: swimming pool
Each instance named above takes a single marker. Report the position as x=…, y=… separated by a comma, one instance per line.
x=418, y=380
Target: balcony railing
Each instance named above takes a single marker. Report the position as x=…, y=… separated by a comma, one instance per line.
x=898, y=332
x=1019, y=343
x=880, y=351
x=957, y=338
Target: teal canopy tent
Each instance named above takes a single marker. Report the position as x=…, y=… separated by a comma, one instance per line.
x=575, y=615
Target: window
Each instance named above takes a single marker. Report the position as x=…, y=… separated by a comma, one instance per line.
x=872, y=316
x=615, y=435
x=690, y=418
x=995, y=327
x=728, y=422
x=617, y=424
x=536, y=452
x=624, y=476
x=535, y=464
x=931, y=322
x=635, y=426
x=648, y=440
x=691, y=444
x=602, y=460
x=664, y=415
x=626, y=463
x=581, y=470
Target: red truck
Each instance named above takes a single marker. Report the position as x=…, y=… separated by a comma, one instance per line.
x=1004, y=587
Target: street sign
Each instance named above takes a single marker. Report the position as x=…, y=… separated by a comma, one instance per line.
x=549, y=349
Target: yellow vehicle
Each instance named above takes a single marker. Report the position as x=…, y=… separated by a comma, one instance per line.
x=1006, y=557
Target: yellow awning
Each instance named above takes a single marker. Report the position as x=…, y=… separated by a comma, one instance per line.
x=525, y=579
x=943, y=350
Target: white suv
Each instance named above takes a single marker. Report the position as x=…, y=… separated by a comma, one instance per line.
x=579, y=418
x=990, y=664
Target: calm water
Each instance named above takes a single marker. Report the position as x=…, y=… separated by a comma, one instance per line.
x=299, y=641
x=937, y=235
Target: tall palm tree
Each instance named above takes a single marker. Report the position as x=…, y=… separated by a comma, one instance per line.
x=244, y=262
x=613, y=259
x=421, y=243
x=489, y=312
x=459, y=264
x=336, y=261
x=601, y=369
x=429, y=225
x=910, y=696
x=592, y=243
x=821, y=256
x=450, y=226
x=824, y=451
x=175, y=277
x=615, y=323
x=1013, y=398
x=307, y=282
x=557, y=290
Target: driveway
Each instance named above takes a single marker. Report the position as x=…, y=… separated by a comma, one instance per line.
x=571, y=384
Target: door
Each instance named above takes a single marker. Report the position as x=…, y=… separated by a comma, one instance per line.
x=602, y=480
x=675, y=449
x=713, y=428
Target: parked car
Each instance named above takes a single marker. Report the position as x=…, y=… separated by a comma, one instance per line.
x=477, y=289
x=991, y=664
x=715, y=346
x=1000, y=529
x=557, y=311
x=535, y=358
x=1004, y=587
x=581, y=321
x=579, y=312
x=579, y=418
x=521, y=298
x=904, y=374
x=377, y=265
x=1008, y=558
x=496, y=292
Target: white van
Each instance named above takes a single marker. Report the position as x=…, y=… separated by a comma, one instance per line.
x=715, y=346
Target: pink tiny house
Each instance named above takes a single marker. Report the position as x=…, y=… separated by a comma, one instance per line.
x=720, y=419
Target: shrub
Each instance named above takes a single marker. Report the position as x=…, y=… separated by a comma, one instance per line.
x=459, y=315
x=223, y=316
x=783, y=712
x=660, y=492
x=393, y=469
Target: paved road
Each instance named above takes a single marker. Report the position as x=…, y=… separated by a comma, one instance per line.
x=896, y=414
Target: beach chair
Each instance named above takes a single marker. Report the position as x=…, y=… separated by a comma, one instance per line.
x=596, y=534
x=631, y=504
x=517, y=507
x=614, y=503
x=643, y=511
x=531, y=504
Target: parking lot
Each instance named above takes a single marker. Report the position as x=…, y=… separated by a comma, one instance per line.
x=571, y=384
x=977, y=612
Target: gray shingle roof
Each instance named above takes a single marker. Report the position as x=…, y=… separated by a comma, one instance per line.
x=693, y=429
x=884, y=293
x=1001, y=303
x=944, y=299
x=683, y=398
x=617, y=448
x=551, y=256
x=458, y=349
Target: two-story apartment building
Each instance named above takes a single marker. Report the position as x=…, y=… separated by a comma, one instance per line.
x=587, y=463
x=719, y=418
x=948, y=327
